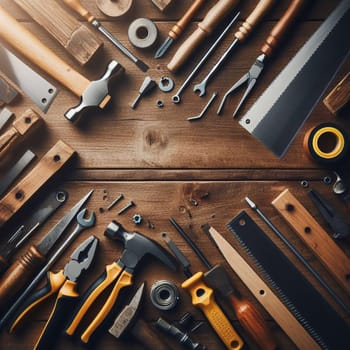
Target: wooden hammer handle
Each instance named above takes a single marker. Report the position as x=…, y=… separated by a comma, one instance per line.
x=281, y=26
x=28, y=45
x=206, y=27
x=18, y=275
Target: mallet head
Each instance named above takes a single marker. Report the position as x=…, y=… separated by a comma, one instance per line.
x=96, y=94
x=136, y=246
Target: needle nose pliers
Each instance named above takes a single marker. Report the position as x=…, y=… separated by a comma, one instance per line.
x=64, y=283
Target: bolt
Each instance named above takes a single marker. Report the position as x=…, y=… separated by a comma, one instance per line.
x=129, y=205
x=121, y=196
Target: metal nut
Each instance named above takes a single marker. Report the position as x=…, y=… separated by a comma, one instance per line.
x=166, y=84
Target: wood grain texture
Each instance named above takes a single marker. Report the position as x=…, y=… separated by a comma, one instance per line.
x=166, y=165
x=74, y=36
x=317, y=239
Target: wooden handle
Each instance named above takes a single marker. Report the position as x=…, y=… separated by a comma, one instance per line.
x=77, y=7
x=252, y=321
x=31, y=47
x=28, y=123
x=210, y=21
x=339, y=96
x=74, y=36
x=18, y=275
x=177, y=29
x=253, y=19
x=309, y=230
x=282, y=26
x=147, y=337
x=47, y=167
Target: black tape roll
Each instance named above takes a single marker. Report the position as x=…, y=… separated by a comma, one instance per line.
x=326, y=143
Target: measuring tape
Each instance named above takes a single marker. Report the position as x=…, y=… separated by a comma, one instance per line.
x=326, y=143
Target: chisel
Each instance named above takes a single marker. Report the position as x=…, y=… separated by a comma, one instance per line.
x=24, y=268
x=178, y=28
x=247, y=314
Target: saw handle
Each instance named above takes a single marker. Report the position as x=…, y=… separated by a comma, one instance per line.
x=253, y=19
x=77, y=7
x=282, y=26
x=21, y=39
x=203, y=298
x=18, y=275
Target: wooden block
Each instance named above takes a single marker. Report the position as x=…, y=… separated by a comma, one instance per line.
x=75, y=37
x=339, y=96
x=48, y=166
x=309, y=230
x=21, y=128
x=162, y=4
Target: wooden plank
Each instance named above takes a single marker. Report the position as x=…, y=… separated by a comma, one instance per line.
x=311, y=232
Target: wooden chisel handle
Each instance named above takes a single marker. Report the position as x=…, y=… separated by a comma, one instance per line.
x=21, y=128
x=77, y=7
x=253, y=322
x=206, y=27
x=34, y=50
x=282, y=26
x=18, y=275
x=253, y=19
x=178, y=28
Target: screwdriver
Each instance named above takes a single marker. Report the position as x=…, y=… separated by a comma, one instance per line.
x=76, y=6
x=247, y=314
x=203, y=298
x=242, y=33
x=146, y=87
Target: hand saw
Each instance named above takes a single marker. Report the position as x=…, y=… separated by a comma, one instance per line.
x=280, y=112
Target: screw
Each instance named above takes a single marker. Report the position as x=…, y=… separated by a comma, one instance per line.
x=304, y=183
x=129, y=205
x=327, y=180
x=115, y=201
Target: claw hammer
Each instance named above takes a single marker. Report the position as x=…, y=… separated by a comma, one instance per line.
x=92, y=93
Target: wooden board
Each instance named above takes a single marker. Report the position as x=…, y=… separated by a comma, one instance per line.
x=166, y=165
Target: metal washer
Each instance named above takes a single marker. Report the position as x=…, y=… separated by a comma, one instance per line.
x=166, y=84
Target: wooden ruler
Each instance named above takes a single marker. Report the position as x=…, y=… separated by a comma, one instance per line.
x=316, y=238
x=264, y=294
x=48, y=166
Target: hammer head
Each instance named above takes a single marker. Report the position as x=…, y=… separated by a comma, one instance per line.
x=96, y=94
x=136, y=246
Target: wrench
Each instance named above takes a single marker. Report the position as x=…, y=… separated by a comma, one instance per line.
x=82, y=224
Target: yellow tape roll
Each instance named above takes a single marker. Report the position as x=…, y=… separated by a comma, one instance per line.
x=327, y=143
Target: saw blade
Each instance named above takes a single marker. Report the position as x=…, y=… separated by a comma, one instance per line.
x=280, y=112
x=327, y=328
x=39, y=90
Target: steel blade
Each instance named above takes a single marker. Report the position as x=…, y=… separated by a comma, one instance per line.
x=56, y=232
x=39, y=90
x=280, y=112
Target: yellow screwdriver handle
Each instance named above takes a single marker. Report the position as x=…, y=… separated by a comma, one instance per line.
x=203, y=298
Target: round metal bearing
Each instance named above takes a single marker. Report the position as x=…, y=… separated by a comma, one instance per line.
x=164, y=295
x=142, y=33
x=166, y=84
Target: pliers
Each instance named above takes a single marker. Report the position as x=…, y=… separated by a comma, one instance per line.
x=267, y=49
x=64, y=283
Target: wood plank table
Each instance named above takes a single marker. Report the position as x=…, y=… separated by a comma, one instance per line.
x=195, y=172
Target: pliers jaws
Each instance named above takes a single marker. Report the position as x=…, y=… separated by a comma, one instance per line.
x=81, y=259
x=250, y=78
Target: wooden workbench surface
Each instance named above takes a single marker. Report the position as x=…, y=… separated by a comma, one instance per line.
x=195, y=172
